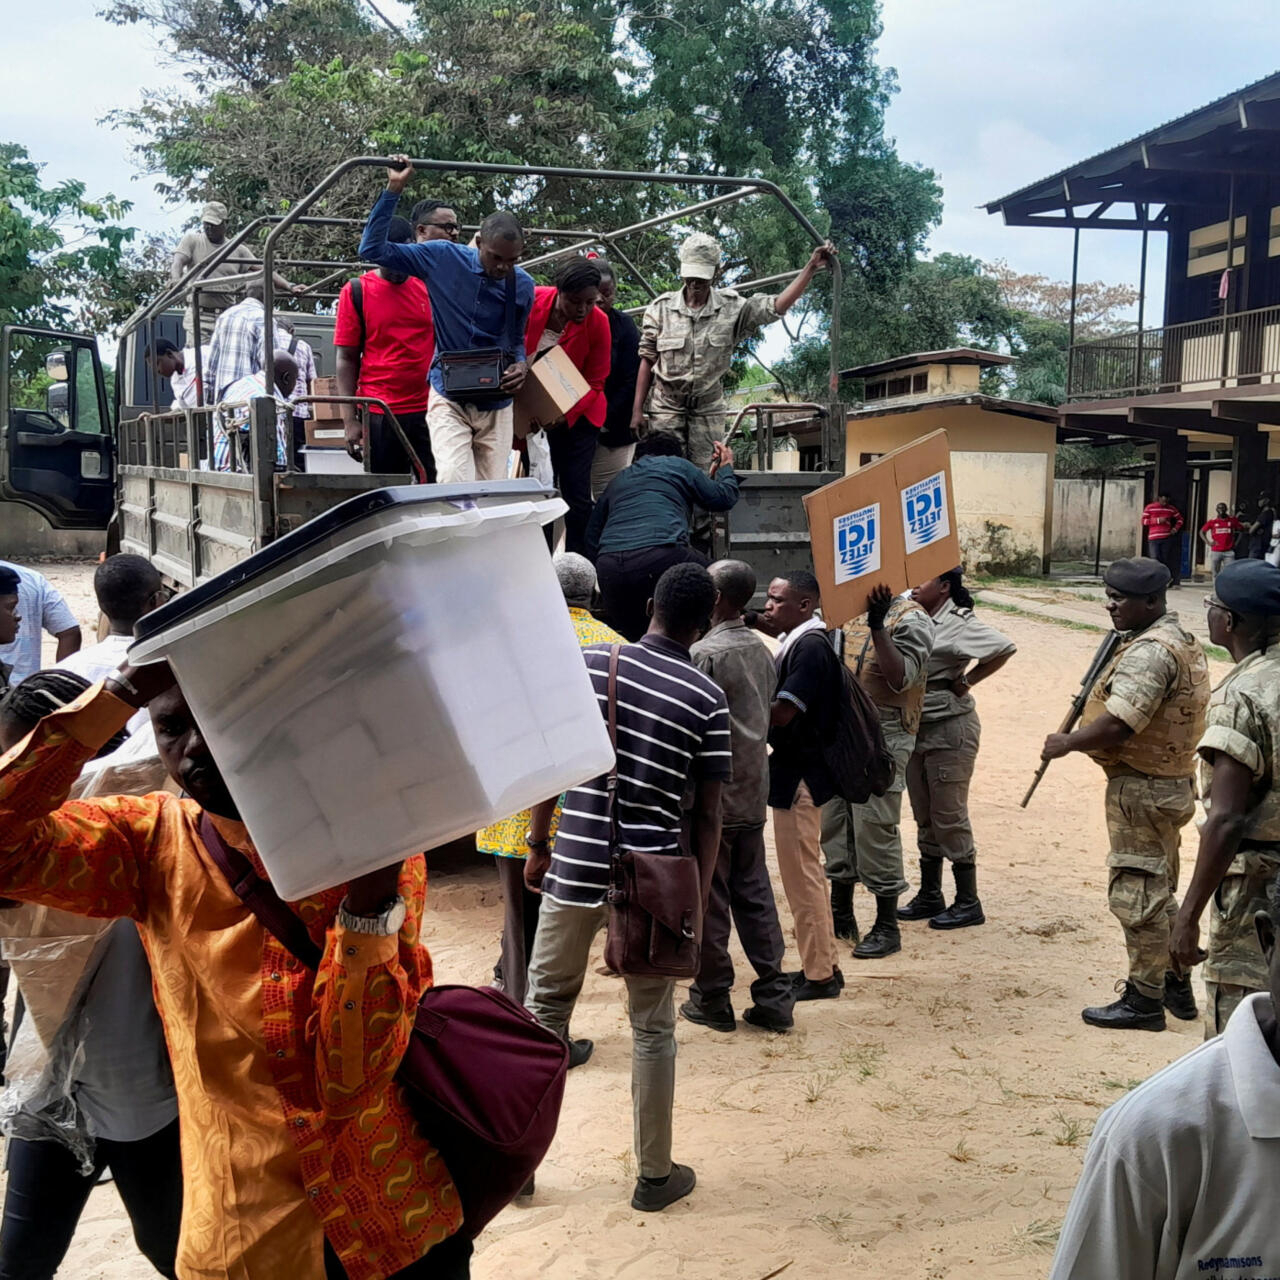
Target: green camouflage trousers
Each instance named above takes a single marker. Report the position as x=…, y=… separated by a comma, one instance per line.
x=1145, y=817
x=863, y=842
x=1235, y=967
x=699, y=425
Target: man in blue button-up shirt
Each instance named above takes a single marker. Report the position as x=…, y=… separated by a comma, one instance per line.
x=469, y=306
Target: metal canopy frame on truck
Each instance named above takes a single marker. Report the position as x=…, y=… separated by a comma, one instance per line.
x=733, y=190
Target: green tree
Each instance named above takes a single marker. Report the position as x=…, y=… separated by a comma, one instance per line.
x=54, y=245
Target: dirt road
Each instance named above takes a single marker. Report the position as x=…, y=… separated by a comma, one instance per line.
x=929, y=1124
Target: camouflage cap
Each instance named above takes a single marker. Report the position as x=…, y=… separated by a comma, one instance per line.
x=699, y=257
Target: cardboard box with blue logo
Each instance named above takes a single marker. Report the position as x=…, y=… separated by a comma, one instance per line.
x=892, y=521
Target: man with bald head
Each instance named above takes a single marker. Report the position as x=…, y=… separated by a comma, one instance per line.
x=736, y=659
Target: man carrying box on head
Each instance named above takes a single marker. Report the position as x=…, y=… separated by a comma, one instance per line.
x=687, y=342
x=300, y=1154
x=480, y=303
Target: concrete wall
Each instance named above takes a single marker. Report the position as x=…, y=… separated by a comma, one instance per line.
x=25, y=534
x=1002, y=472
x=1075, y=519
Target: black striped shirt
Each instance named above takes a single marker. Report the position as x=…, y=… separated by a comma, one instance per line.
x=673, y=725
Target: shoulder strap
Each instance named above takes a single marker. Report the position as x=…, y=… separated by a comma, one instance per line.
x=611, y=700
x=258, y=895
x=293, y=344
x=357, y=301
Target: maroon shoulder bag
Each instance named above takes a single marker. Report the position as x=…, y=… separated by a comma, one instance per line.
x=655, y=899
x=484, y=1078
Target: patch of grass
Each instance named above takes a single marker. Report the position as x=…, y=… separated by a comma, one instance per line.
x=959, y=1052
x=961, y=1154
x=627, y=1163
x=795, y=1153
x=1069, y=623
x=864, y=1058
x=816, y=1086
x=1011, y=993
x=1070, y=1130
x=1038, y=1234
x=1050, y=928
x=835, y=1224
x=1123, y=1085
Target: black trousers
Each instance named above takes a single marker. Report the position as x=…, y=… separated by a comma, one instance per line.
x=573, y=450
x=627, y=580
x=47, y=1193
x=386, y=453
x=449, y=1260
x=741, y=891
x=519, y=927
x=1169, y=552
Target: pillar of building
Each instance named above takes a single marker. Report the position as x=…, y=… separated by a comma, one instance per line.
x=1250, y=474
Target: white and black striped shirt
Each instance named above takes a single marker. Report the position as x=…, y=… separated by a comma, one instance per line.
x=673, y=725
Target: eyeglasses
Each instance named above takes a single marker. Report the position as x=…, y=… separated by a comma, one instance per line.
x=446, y=226
x=1212, y=602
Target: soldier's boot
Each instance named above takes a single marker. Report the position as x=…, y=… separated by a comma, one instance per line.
x=929, y=902
x=842, y=910
x=1132, y=1012
x=966, y=910
x=884, y=938
x=1179, y=999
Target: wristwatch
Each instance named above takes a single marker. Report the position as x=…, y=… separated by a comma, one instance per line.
x=536, y=845
x=386, y=923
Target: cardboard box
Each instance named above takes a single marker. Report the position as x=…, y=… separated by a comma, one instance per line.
x=324, y=427
x=893, y=521
x=552, y=388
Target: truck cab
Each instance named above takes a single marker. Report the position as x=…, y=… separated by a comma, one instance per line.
x=57, y=448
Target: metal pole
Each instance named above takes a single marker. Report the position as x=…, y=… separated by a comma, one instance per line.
x=1102, y=506
x=615, y=251
x=1071, y=324
x=1231, y=254
x=1139, y=380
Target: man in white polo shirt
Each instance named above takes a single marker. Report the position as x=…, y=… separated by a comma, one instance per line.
x=1179, y=1177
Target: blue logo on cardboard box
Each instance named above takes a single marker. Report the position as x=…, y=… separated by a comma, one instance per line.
x=924, y=512
x=857, y=543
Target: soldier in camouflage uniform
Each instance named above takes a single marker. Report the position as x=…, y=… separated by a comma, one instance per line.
x=888, y=649
x=687, y=341
x=1142, y=721
x=1240, y=841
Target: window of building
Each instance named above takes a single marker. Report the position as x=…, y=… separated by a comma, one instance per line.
x=919, y=384
x=1207, y=247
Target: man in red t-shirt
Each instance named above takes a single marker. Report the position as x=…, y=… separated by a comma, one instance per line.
x=384, y=349
x=1163, y=523
x=1219, y=535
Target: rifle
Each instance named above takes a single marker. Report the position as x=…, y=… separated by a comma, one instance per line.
x=1100, y=659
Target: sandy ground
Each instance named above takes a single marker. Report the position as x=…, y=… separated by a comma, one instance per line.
x=930, y=1123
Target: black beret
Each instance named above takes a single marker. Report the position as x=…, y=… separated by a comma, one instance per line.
x=9, y=582
x=1140, y=576
x=1249, y=587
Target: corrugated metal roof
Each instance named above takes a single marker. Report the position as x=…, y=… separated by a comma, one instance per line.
x=1230, y=99
x=953, y=355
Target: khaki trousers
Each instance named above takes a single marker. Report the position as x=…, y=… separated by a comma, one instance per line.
x=797, y=837
x=469, y=441
x=557, y=968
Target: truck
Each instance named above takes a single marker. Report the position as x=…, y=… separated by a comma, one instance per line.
x=131, y=464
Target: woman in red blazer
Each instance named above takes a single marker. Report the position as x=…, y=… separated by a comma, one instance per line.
x=565, y=314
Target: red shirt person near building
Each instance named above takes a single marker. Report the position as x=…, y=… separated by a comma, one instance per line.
x=1163, y=523
x=1219, y=534
x=384, y=340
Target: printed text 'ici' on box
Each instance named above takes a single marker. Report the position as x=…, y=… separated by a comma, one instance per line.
x=892, y=521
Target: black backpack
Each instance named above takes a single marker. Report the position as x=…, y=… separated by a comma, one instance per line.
x=856, y=755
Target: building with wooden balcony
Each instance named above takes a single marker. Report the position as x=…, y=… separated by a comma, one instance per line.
x=1201, y=390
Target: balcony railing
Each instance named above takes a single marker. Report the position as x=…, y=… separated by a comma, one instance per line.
x=1201, y=355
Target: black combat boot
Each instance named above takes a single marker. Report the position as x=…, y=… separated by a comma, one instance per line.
x=1179, y=999
x=1132, y=1012
x=929, y=902
x=842, y=910
x=966, y=910
x=884, y=938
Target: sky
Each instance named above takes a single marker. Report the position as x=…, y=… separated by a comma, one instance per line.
x=993, y=94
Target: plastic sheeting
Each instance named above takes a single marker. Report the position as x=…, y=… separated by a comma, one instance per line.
x=53, y=955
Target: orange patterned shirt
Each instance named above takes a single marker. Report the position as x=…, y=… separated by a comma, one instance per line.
x=293, y=1128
